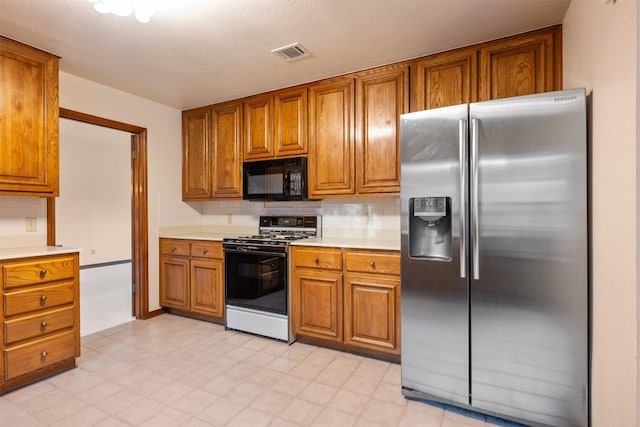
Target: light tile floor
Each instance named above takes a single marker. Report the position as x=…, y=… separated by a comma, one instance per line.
x=174, y=371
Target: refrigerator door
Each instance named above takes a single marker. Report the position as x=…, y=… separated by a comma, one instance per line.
x=435, y=314
x=529, y=304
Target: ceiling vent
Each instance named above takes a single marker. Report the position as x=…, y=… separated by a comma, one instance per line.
x=290, y=52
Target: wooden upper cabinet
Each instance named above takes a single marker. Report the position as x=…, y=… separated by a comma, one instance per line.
x=290, y=122
x=521, y=65
x=382, y=95
x=227, y=148
x=258, y=132
x=445, y=79
x=29, y=150
x=331, y=139
x=196, y=154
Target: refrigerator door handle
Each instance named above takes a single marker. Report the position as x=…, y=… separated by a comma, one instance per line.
x=462, y=140
x=475, y=230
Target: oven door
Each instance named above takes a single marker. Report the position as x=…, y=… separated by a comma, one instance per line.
x=256, y=279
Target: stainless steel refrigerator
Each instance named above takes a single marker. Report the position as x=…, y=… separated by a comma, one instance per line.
x=495, y=257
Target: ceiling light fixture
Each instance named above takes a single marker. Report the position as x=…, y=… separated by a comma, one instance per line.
x=143, y=9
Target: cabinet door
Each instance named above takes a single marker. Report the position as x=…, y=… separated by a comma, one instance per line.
x=382, y=95
x=196, y=154
x=445, y=79
x=258, y=134
x=371, y=312
x=331, y=142
x=227, y=147
x=521, y=65
x=290, y=122
x=207, y=287
x=174, y=282
x=317, y=304
x=28, y=120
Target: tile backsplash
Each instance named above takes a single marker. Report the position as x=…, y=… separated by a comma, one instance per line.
x=357, y=218
x=13, y=214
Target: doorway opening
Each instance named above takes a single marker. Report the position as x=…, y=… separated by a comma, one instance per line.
x=138, y=205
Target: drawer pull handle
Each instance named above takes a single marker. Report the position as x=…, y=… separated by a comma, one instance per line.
x=173, y=250
x=43, y=324
x=43, y=354
x=372, y=264
x=43, y=298
x=316, y=260
x=43, y=273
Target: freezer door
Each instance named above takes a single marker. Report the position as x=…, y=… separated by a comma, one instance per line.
x=529, y=304
x=435, y=315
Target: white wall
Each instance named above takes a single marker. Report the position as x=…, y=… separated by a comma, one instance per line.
x=600, y=53
x=13, y=211
x=93, y=211
x=163, y=126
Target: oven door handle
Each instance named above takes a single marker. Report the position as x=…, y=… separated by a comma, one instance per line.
x=253, y=251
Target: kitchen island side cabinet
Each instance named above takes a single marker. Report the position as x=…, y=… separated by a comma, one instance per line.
x=29, y=146
x=192, y=278
x=347, y=299
x=40, y=334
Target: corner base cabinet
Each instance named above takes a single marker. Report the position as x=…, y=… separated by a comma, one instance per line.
x=347, y=299
x=192, y=278
x=40, y=334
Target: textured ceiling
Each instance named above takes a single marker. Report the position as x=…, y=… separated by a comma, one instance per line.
x=207, y=51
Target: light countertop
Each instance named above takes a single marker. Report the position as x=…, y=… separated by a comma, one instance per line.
x=31, y=251
x=351, y=242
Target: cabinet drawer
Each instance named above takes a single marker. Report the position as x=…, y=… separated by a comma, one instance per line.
x=37, y=271
x=206, y=249
x=174, y=247
x=26, y=358
x=37, y=325
x=318, y=258
x=39, y=298
x=372, y=262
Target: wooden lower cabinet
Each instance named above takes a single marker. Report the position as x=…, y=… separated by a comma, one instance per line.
x=192, y=278
x=40, y=314
x=348, y=299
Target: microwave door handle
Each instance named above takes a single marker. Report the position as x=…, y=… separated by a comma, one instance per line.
x=286, y=183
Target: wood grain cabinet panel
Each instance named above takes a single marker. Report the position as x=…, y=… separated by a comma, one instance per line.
x=521, y=65
x=382, y=95
x=318, y=304
x=29, y=146
x=40, y=354
x=192, y=278
x=207, y=287
x=445, y=79
x=174, y=279
x=40, y=271
x=331, y=138
x=197, y=152
x=258, y=127
x=227, y=147
x=290, y=122
x=371, y=312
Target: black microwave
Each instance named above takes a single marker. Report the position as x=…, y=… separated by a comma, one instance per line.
x=272, y=180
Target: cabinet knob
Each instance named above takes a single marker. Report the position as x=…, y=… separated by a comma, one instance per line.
x=316, y=260
x=43, y=324
x=43, y=273
x=173, y=250
x=43, y=298
x=43, y=354
x=372, y=264
x=204, y=251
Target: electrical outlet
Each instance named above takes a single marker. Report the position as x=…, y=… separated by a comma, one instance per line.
x=229, y=219
x=369, y=216
x=31, y=224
